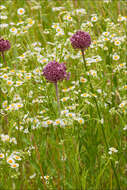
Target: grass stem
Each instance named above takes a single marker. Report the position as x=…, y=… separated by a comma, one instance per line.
x=99, y=114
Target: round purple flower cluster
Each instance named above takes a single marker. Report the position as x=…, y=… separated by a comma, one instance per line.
x=55, y=71
x=80, y=40
x=4, y=45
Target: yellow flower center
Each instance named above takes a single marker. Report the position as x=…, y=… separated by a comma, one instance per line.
x=14, y=165
x=1, y=156
x=17, y=157
x=21, y=11
x=10, y=161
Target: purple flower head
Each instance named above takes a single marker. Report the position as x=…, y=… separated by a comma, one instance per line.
x=80, y=40
x=55, y=71
x=4, y=45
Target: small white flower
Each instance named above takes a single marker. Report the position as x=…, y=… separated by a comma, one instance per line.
x=116, y=57
x=125, y=128
x=105, y=39
x=93, y=73
x=80, y=120
x=112, y=150
x=59, y=122
x=64, y=99
x=44, y=124
x=20, y=11
x=13, y=30
x=37, y=71
x=102, y=121
x=2, y=7
x=106, y=33
x=69, y=18
x=26, y=131
x=83, y=80
x=99, y=91
x=94, y=18
x=32, y=176
x=1, y=155
x=121, y=18
x=122, y=104
x=19, y=83
x=18, y=105
x=49, y=122
x=15, y=165
x=70, y=114
x=117, y=42
x=16, y=97
x=43, y=60
x=46, y=177
x=60, y=33
x=37, y=49
x=16, y=157
x=30, y=21
x=4, y=104
x=13, y=140
x=55, y=25
x=10, y=160
x=10, y=83
x=85, y=95
x=5, y=76
x=5, y=137
x=4, y=25
x=3, y=17
x=64, y=112
x=57, y=8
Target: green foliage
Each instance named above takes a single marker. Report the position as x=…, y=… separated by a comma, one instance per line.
x=66, y=152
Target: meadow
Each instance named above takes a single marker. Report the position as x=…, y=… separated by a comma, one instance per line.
x=74, y=138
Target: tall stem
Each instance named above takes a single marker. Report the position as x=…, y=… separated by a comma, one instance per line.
x=57, y=96
x=3, y=57
x=99, y=114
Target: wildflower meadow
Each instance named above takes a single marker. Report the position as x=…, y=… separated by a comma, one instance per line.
x=63, y=95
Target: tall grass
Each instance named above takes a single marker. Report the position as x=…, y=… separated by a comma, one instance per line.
x=67, y=151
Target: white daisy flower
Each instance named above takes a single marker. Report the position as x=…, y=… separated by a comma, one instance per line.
x=13, y=30
x=15, y=165
x=112, y=150
x=1, y=155
x=94, y=18
x=116, y=57
x=85, y=95
x=10, y=160
x=20, y=11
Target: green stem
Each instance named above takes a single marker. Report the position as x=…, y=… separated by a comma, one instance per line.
x=3, y=57
x=99, y=114
x=57, y=96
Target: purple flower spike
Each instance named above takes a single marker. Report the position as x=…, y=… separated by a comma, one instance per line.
x=80, y=40
x=55, y=71
x=4, y=45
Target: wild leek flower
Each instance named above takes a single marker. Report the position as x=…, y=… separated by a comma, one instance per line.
x=80, y=40
x=4, y=46
x=55, y=72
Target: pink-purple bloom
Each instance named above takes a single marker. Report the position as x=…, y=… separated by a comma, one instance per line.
x=80, y=40
x=55, y=71
x=4, y=45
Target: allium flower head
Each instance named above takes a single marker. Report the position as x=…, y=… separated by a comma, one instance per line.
x=55, y=71
x=80, y=40
x=4, y=45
